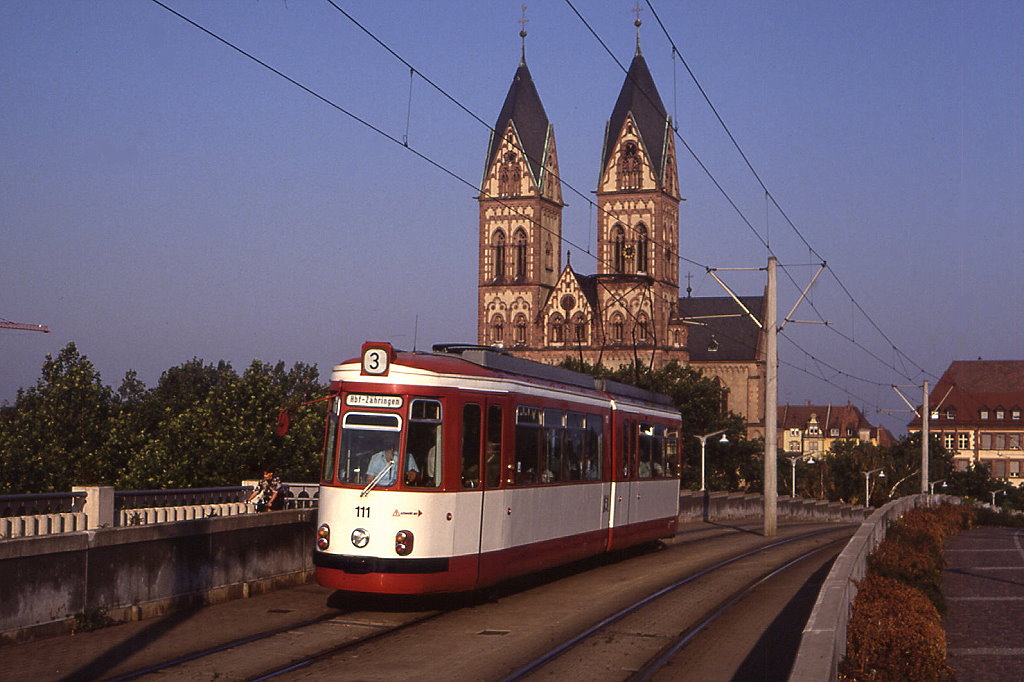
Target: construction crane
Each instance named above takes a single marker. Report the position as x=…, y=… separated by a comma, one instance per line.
x=7, y=324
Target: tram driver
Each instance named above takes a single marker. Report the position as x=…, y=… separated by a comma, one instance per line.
x=387, y=456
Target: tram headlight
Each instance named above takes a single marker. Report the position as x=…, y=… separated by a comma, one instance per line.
x=360, y=538
x=323, y=537
x=403, y=542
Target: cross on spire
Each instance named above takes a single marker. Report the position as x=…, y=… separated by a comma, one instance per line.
x=522, y=31
x=636, y=22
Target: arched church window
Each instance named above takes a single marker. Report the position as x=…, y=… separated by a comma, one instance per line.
x=579, y=325
x=520, y=329
x=498, y=248
x=497, y=330
x=549, y=257
x=556, y=331
x=509, y=176
x=641, y=248
x=643, y=330
x=619, y=249
x=628, y=176
x=618, y=328
x=519, y=245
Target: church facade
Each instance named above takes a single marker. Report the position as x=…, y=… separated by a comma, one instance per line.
x=532, y=305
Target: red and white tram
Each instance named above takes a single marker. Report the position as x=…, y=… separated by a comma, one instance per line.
x=457, y=469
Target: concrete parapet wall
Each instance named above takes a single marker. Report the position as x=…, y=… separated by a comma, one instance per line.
x=694, y=504
x=150, y=515
x=41, y=524
x=137, y=572
x=823, y=643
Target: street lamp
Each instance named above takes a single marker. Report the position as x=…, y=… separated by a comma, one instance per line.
x=993, y=493
x=931, y=486
x=867, y=479
x=793, y=460
x=702, y=440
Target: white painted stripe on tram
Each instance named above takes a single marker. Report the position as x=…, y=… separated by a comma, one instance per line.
x=984, y=598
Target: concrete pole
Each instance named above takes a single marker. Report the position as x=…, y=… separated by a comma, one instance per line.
x=925, y=420
x=771, y=404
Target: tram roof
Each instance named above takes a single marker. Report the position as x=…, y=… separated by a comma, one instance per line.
x=502, y=362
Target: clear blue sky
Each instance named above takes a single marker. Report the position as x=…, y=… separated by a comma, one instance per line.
x=163, y=197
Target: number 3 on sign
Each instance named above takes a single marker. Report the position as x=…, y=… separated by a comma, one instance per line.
x=375, y=361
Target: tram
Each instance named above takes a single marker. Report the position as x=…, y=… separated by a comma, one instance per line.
x=457, y=469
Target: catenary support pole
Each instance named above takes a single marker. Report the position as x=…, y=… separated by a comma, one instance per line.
x=771, y=400
x=926, y=416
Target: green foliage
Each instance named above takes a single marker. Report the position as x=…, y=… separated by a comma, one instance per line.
x=202, y=425
x=92, y=618
x=54, y=435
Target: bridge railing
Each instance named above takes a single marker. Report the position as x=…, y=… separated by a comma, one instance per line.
x=90, y=507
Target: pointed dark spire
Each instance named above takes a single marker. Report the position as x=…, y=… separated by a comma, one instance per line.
x=639, y=97
x=524, y=110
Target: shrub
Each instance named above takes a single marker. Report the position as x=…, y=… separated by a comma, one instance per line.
x=886, y=643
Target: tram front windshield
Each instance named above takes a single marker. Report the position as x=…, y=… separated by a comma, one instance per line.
x=369, y=445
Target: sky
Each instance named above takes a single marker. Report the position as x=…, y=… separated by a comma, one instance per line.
x=164, y=197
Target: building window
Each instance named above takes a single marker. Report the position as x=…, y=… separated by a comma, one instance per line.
x=963, y=441
x=519, y=245
x=520, y=330
x=986, y=441
x=643, y=330
x=951, y=414
x=497, y=330
x=794, y=446
x=619, y=249
x=834, y=432
x=983, y=413
x=549, y=261
x=629, y=167
x=935, y=415
x=557, y=331
x=641, y=249
x=498, y=250
x=947, y=440
x=579, y=324
x=1000, y=413
x=1013, y=441
x=509, y=176
x=618, y=329
x=1015, y=414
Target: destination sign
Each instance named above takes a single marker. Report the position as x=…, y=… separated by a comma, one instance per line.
x=391, y=402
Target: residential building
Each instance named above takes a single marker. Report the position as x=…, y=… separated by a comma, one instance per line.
x=976, y=411
x=812, y=429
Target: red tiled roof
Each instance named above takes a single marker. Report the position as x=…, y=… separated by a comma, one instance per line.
x=967, y=386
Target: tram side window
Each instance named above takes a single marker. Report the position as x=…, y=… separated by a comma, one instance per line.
x=529, y=443
x=493, y=446
x=471, y=445
x=331, y=441
x=593, y=452
x=575, y=442
x=554, y=432
x=647, y=466
x=423, y=443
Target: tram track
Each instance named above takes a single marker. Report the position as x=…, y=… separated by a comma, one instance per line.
x=487, y=637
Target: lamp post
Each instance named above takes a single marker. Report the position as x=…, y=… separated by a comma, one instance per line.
x=702, y=440
x=793, y=460
x=867, y=479
x=931, y=486
x=993, y=493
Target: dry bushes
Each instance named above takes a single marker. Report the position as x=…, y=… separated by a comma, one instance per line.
x=895, y=632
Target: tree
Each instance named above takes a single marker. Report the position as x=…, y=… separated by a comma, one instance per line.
x=55, y=434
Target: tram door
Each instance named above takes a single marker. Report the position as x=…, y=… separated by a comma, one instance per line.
x=623, y=476
x=482, y=473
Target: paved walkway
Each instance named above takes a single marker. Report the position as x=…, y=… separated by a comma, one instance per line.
x=984, y=589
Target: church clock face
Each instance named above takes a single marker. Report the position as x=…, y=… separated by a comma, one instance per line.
x=568, y=302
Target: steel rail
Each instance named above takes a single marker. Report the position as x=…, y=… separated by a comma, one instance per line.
x=636, y=606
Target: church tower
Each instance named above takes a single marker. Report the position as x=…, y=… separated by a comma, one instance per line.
x=638, y=222
x=520, y=219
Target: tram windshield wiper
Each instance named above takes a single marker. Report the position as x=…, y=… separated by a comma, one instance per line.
x=372, y=484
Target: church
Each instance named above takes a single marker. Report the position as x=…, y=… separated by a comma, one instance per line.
x=532, y=305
